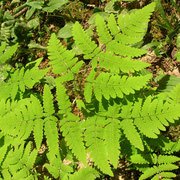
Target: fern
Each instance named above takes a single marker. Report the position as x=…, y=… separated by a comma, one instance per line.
x=117, y=118
x=62, y=60
x=19, y=162
x=8, y=53
x=109, y=85
x=20, y=80
x=70, y=125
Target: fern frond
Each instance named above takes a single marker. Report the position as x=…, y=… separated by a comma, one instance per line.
x=96, y=145
x=103, y=33
x=112, y=135
x=167, y=167
x=175, y=94
x=118, y=64
x=54, y=165
x=88, y=173
x=48, y=101
x=3, y=151
x=148, y=173
x=124, y=50
x=135, y=24
x=64, y=103
x=19, y=80
x=62, y=60
x=165, y=159
x=83, y=41
x=7, y=53
x=114, y=29
x=108, y=85
x=153, y=115
x=70, y=125
x=164, y=175
x=19, y=163
x=38, y=132
x=51, y=132
x=132, y=134
x=141, y=159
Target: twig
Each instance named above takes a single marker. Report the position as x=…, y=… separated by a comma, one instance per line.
x=20, y=12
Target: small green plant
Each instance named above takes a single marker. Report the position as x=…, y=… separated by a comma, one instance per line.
x=119, y=118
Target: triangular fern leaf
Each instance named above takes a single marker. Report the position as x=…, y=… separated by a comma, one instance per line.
x=135, y=23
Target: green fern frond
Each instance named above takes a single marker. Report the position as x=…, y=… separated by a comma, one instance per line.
x=158, y=170
x=135, y=24
x=132, y=134
x=64, y=103
x=48, y=101
x=3, y=151
x=164, y=176
x=103, y=33
x=96, y=146
x=117, y=64
x=124, y=50
x=62, y=60
x=20, y=80
x=88, y=47
x=141, y=159
x=112, y=135
x=8, y=53
x=165, y=159
x=151, y=115
x=38, y=132
x=85, y=173
x=19, y=162
x=175, y=94
x=51, y=132
x=109, y=85
x=71, y=129
x=70, y=125
x=54, y=165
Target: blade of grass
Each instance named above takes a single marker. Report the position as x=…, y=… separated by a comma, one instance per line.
x=163, y=15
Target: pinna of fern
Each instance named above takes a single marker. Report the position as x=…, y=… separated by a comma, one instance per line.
x=63, y=61
x=19, y=162
x=115, y=57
